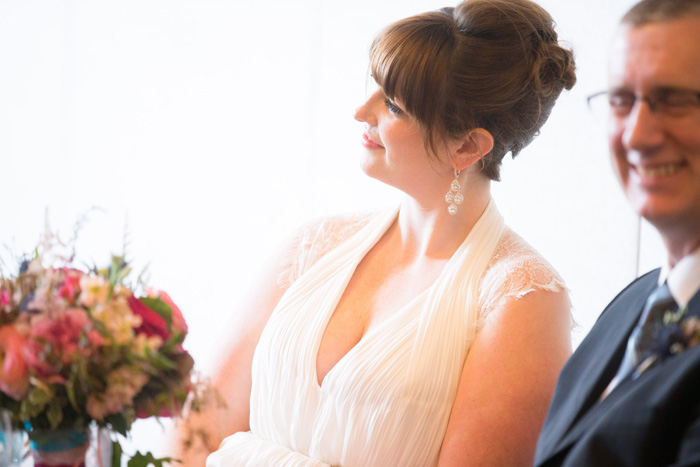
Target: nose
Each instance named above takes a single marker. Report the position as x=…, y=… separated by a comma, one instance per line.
x=365, y=113
x=642, y=128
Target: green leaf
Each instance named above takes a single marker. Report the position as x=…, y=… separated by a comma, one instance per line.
x=144, y=460
x=160, y=307
x=55, y=412
x=118, y=271
x=39, y=396
x=119, y=423
x=176, y=338
x=70, y=391
x=116, y=454
x=161, y=362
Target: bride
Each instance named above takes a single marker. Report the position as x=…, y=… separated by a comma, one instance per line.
x=430, y=333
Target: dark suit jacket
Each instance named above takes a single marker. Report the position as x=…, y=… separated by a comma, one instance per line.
x=652, y=421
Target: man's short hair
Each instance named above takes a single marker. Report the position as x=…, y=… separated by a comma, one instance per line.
x=656, y=11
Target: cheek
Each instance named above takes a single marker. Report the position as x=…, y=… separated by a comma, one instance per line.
x=391, y=137
x=618, y=153
x=688, y=139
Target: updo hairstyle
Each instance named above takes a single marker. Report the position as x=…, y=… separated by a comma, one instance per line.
x=492, y=64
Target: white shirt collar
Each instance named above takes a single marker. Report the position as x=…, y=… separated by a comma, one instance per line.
x=684, y=278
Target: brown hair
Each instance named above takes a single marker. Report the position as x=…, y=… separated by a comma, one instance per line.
x=492, y=64
x=654, y=11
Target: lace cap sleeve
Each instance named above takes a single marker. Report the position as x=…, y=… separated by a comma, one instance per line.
x=314, y=240
x=515, y=270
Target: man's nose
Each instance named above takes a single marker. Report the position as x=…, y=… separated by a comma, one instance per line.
x=644, y=128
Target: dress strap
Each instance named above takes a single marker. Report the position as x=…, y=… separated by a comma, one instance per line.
x=450, y=317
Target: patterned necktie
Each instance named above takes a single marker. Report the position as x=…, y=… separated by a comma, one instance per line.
x=640, y=341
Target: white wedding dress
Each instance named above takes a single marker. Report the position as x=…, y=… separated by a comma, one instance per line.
x=388, y=400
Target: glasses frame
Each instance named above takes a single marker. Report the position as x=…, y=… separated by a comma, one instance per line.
x=652, y=102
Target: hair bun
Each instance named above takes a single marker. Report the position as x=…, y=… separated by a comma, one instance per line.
x=546, y=35
x=553, y=68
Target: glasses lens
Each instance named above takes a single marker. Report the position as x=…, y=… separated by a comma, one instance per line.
x=599, y=106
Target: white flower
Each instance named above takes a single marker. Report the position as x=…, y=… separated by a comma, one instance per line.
x=94, y=290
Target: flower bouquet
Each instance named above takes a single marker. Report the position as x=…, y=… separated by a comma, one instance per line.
x=83, y=347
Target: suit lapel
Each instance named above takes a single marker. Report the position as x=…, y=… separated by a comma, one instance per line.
x=584, y=378
x=665, y=369
x=694, y=305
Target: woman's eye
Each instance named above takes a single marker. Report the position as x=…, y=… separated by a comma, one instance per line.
x=393, y=108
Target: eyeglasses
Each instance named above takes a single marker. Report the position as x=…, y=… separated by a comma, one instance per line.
x=664, y=102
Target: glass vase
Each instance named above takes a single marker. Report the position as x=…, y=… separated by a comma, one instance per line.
x=59, y=448
x=13, y=442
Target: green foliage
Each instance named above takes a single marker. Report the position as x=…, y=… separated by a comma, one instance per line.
x=161, y=362
x=35, y=402
x=118, y=271
x=55, y=412
x=144, y=460
x=119, y=423
x=116, y=454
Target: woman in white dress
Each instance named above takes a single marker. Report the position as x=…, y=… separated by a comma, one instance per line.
x=428, y=334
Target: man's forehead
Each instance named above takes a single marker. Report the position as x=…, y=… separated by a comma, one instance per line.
x=663, y=53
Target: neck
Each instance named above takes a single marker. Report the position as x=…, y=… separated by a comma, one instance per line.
x=678, y=249
x=430, y=231
x=680, y=240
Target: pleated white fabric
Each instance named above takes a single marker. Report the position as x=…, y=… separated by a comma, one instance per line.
x=388, y=400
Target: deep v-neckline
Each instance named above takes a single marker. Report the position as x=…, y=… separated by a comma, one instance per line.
x=367, y=337
x=387, y=223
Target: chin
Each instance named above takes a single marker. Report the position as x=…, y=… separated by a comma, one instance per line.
x=370, y=169
x=663, y=215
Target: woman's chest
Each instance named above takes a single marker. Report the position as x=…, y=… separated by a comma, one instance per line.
x=372, y=298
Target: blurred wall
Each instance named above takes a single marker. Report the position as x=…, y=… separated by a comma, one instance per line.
x=206, y=130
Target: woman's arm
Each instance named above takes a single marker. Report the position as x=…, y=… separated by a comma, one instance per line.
x=205, y=430
x=507, y=382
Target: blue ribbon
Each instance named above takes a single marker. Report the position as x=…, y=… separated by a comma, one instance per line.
x=56, y=440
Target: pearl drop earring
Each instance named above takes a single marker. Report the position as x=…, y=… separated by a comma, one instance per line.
x=453, y=197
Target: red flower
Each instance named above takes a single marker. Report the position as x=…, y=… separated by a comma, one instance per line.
x=14, y=373
x=153, y=323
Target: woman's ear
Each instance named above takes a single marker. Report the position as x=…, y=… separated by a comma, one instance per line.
x=475, y=144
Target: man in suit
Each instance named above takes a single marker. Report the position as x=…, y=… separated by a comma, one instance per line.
x=630, y=394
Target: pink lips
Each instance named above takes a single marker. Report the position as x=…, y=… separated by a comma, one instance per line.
x=369, y=143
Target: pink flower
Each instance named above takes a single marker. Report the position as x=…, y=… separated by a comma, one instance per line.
x=70, y=289
x=153, y=324
x=58, y=337
x=14, y=374
x=4, y=298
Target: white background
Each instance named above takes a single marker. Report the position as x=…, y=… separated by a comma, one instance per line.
x=207, y=130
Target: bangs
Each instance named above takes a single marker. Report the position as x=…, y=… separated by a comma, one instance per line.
x=409, y=60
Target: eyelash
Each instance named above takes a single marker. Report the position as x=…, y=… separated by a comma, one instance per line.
x=393, y=108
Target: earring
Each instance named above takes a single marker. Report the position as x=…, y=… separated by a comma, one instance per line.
x=454, y=198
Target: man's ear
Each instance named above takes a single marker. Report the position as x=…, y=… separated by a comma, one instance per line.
x=475, y=144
